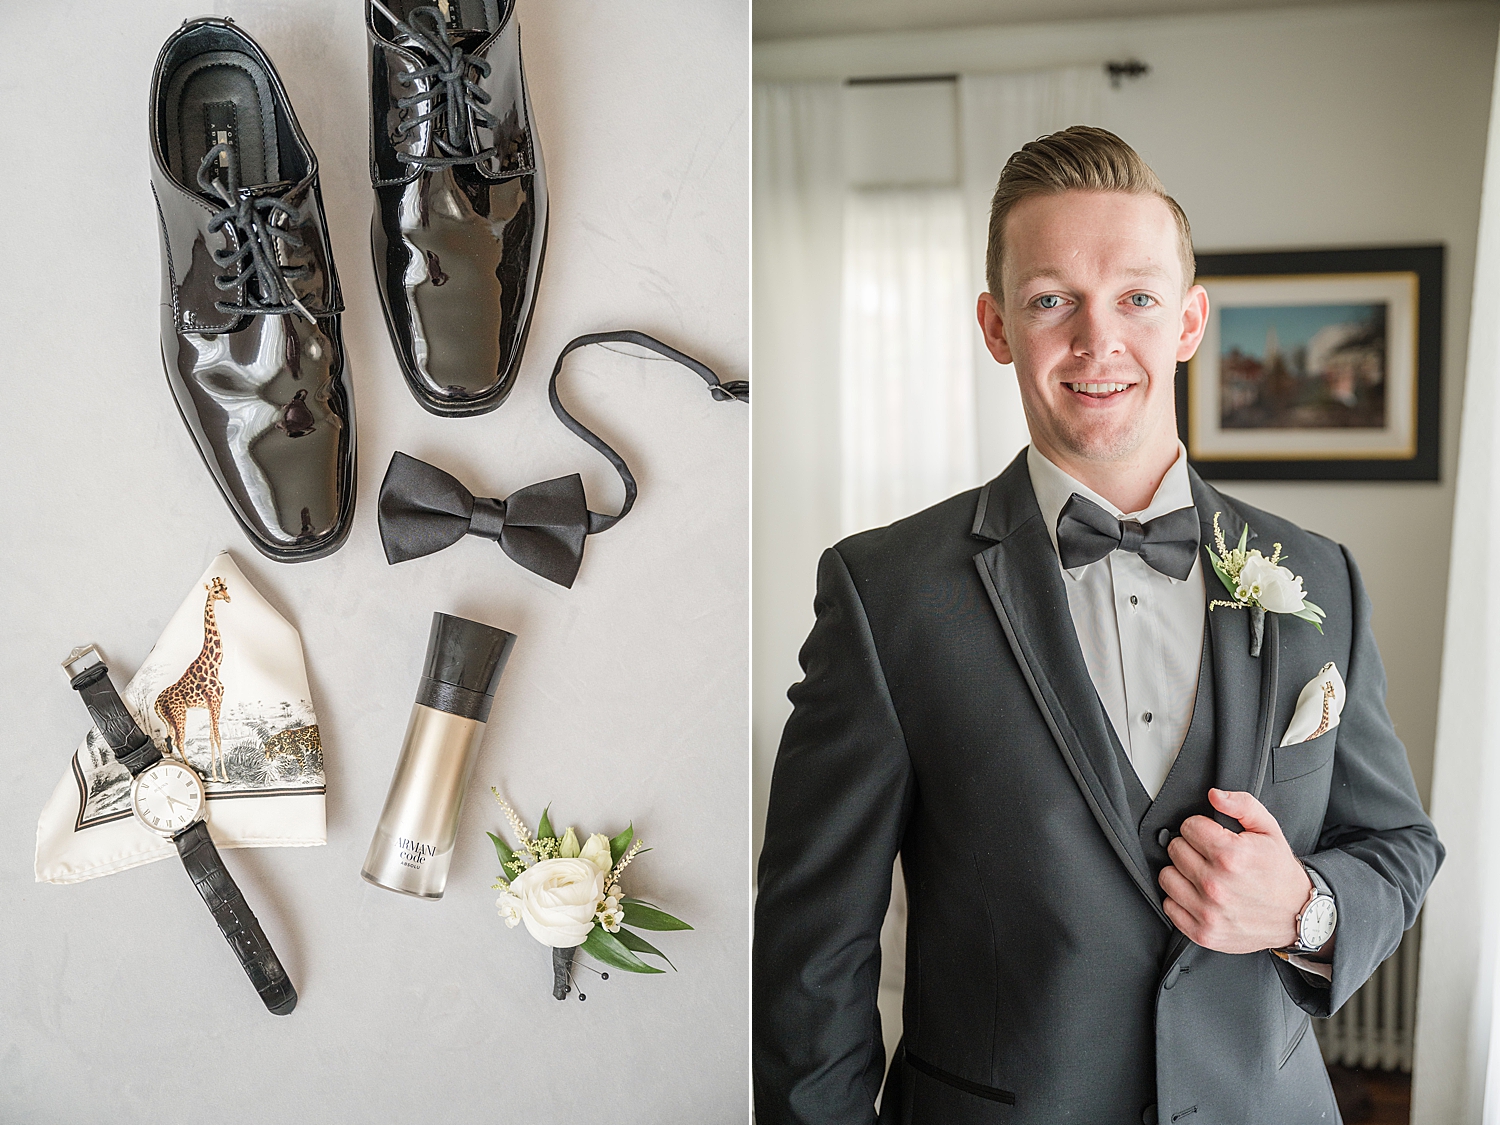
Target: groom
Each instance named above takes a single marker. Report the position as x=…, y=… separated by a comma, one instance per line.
x=1139, y=851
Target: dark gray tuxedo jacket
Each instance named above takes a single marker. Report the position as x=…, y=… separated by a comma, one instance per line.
x=947, y=715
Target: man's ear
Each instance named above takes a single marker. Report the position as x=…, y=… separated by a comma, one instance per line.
x=1194, y=322
x=992, y=324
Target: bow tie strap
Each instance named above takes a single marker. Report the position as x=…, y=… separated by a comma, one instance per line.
x=542, y=526
x=1086, y=533
x=737, y=391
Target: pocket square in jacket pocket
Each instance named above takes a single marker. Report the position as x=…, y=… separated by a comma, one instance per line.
x=1318, y=706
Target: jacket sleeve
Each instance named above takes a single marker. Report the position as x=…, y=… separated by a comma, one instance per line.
x=840, y=796
x=1377, y=850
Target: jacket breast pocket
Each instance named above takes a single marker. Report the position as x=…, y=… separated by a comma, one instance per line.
x=1302, y=758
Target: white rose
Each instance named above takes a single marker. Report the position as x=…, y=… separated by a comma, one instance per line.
x=1274, y=587
x=596, y=851
x=558, y=900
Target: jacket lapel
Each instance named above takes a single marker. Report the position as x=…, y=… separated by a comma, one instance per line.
x=1020, y=573
x=1244, y=685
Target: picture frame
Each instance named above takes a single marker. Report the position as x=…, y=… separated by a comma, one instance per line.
x=1317, y=365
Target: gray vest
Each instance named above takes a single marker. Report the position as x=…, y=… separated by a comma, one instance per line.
x=1185, y=791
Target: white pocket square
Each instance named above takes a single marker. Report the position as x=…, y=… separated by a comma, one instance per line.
x=1318, y=706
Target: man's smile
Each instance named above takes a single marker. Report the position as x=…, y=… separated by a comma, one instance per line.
x=1099, y=390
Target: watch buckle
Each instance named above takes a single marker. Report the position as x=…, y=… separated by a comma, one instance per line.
x=75, y=665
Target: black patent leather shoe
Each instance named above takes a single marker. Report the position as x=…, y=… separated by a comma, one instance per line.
x=250, y=299
x=460, y=223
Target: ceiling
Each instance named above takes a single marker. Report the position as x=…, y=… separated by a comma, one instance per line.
x=795, y=19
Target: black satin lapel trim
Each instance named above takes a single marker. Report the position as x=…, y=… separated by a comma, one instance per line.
x=1025, y=587
x=1244, y=685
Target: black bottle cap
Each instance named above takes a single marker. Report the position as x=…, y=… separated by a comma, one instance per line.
x=463, y=666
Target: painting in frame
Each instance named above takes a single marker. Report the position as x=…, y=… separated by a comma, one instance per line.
x=1317, y=365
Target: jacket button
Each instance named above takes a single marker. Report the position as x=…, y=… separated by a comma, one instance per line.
x=1148, y=1115
x=1164, y=837
x=1172, y=976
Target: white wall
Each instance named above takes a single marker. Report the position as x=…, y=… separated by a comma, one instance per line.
x=1343, y=126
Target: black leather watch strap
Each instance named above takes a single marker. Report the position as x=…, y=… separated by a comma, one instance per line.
x=132, y=746
x=235, y=918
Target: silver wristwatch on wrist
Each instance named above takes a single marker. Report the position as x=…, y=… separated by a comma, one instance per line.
x=1318, y=917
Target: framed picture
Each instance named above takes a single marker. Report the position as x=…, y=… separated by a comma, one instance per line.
x=1317, y=365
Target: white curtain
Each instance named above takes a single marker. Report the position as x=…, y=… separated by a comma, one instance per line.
x=1456, y=1075
x=797, y=240
x=906, y=368
x=998, y=113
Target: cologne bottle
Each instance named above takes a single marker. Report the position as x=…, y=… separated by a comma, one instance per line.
x=413, y=842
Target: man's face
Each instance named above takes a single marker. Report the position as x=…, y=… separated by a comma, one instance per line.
x=1095, y=319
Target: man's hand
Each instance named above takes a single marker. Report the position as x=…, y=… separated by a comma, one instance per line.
x=1235, y=892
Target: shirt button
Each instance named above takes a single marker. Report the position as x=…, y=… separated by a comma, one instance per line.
x=1164, y=837
x=1147, y=716
x=1134, y=600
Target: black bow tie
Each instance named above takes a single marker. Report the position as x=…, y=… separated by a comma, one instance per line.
x=542, y=526
x=1086, y=533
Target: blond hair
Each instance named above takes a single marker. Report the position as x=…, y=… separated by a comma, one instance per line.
x=1080, y=158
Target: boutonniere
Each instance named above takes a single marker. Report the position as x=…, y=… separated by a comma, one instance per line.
x=1259, y=584
x=569, y=896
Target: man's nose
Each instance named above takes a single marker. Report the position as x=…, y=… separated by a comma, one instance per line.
x=1097, y=335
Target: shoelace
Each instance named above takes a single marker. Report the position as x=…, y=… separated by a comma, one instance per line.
x=253, y=219
x=452, y=96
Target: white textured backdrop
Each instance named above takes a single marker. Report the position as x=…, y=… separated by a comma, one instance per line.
x=626, y=697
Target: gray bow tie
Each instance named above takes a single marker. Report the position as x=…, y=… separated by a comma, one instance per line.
x=1086, y=533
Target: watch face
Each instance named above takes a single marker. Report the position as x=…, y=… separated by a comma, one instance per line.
x=167, y=797
x=1317, y=922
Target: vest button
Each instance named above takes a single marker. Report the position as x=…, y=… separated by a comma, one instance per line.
x=1164, y=837
x=1172, y=976
x=1148, y=1115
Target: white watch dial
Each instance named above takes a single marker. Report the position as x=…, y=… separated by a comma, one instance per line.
x=167, y=797
x=1317, y=922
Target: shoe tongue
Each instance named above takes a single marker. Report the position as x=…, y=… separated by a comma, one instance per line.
x=462, y=38
x=260, y=191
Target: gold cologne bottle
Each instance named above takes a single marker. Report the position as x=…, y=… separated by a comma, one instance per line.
x=413, y=842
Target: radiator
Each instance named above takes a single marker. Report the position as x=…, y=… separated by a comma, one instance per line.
x=1374, y=1029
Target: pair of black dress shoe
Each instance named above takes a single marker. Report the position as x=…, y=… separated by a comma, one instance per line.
x=250, y=296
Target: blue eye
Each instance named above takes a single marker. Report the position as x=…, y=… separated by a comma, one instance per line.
x=1141, y=300
x=1049, y=300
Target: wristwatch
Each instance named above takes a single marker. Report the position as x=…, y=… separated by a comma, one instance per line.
x=1318, y=917
x=166, y=796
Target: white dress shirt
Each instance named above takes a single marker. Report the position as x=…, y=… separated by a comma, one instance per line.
x=1141, y=631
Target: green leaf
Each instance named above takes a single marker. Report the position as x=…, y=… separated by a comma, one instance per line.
x=544, y=826
x=502, y=849
x=1220, y=571
x=640, y=945
x=602, y=946
x=1316, y=609
x=1312, y=618
x=1244, y=538
x=644, y=917
x=620, y=844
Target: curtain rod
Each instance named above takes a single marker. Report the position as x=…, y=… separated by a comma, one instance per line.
x=1117, y=71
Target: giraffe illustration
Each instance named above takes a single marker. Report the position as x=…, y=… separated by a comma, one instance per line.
x=199, y=686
